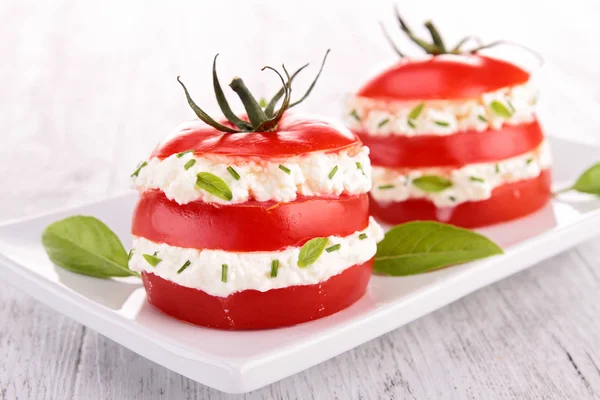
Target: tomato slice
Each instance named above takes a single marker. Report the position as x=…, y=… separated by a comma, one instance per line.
x=454, y=150
x=444, y=77
x=250, y=226
x=294, y=136
x=508, y=202
x=251, y=309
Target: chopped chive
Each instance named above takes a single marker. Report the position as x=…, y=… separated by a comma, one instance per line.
x=333, y=248
x=138, y=169
x=482, y=118
x=184, y=266
x=262, y=102
x=415, y=112
x=452, y=198
x=152, y=259
x=359, y=166
x=383, y=187
x=497, y=168
x=284, y=169
x=355, y=115
x=383, y=123
x=476, y=179
x=274, y=268
x=130, y=255
x=189, y=164
x=510, y=104
x=224, y=273
x=441, y=123
x=333, y=171
x=529, y=161
x=233, y=173
x=412, y=124
x=183, y=153
x=362, y=236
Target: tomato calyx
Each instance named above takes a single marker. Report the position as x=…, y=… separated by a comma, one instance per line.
x=262, y=116
x=437, y=45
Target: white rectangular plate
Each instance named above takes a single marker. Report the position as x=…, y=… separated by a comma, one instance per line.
x=238, y=362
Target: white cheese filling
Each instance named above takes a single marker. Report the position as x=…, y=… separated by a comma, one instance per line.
x=473, y=182
x=318, y=173
x=511, y=105
x=252, y=270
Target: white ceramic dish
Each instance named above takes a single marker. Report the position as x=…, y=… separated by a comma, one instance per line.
x=238, y=362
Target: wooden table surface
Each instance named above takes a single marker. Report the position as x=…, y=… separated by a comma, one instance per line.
x=88, y=88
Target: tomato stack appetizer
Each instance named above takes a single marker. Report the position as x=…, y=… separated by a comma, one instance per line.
x=255, y=222
x=453, y=137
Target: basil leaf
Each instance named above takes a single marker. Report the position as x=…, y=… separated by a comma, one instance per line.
x=432, y=183
x=589, y=181
x=500, y=109
x=85, y=245
x=415, y=112
x=214, y=185
x=420, y=246
x=311, y=251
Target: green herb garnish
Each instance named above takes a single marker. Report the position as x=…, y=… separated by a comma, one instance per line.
x=85, y=245
x=529, y=161
x=183, y=153
x=385, y=187
x=417, y=247
x=432, y=183
x=416, y=112
x=285, y=169
x=311, y=251
x=333, y=248
x=383, y=123
x=333, y=171
x=355, y=115
x=129, y=255
x=482, y=118
x=152, y=259
x=360, y=167
x=138, y=169
x=184, y=266
x=441, y=123
x=224, y=268
x=274, y=268
x=476, y=179
x=214, y=185
x=412, y=124
x=588, y=182
x=500, y=109
x=452, y=198
x=497, y=168
x=233, y=173
x=189, y=164
x=362, y=236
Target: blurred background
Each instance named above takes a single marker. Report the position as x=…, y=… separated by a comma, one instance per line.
x=88, y=88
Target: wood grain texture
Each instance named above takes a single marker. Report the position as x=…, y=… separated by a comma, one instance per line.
x=88, y=89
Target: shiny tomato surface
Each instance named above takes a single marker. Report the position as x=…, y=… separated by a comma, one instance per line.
x=456, y=150
x=249, y=226
x=294, y=136
x=251, y=309
x=508, y=202
x=444, y=77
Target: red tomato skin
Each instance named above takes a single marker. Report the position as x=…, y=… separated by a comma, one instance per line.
x=251, y=309
x=456, y=150
x=508, y=202
x=444, y=77
x=250, y=226
x=295, y=136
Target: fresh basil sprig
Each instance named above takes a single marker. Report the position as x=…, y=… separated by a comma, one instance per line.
x=588, y=182
x=214, y=185
x=85, y=245
x=311, y=251
x=432, y=183
x=421, y=246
